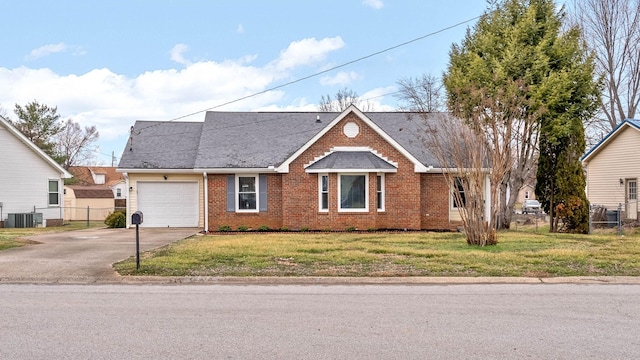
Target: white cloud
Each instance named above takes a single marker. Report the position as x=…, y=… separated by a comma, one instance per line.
x=376, y=4
x=112, y=102
x=373, y=98
x=307, y=52
x=46, y=50
x=240, y=29
x=341, y=78
x=177, y=54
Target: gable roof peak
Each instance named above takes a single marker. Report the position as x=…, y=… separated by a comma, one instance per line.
x=418, y=166
x=15, y=132
x=633, y=123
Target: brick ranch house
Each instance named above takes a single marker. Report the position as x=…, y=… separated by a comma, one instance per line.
x=299, y=170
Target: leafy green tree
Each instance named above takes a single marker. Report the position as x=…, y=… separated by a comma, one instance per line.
x=500, y=80
x=571, y=97
x=39, y=123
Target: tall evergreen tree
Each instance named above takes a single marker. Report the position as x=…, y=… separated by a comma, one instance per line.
x=39, y=123
x=571, y=97
x=517, y=72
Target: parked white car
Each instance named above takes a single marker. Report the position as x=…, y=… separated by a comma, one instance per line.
x=531, y=206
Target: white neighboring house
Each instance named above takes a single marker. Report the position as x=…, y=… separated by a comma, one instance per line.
x=31, y=182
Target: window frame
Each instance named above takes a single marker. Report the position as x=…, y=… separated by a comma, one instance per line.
x=256, y=191
x=380, y=192
x=632, y=191
x=366, y=193
x=322, y=191
x=454, y=186
x=57, y=192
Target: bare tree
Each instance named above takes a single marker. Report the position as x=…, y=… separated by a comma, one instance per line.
x=73, y=143
x=611, y=29
x=465, y=155
x=423, y=94
x=342, y=100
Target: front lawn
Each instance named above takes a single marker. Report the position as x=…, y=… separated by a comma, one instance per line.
x=519, y=253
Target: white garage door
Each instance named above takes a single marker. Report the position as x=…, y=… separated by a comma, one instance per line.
x=173, y=204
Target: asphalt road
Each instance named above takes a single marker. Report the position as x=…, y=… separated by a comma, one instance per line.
x=504, y=321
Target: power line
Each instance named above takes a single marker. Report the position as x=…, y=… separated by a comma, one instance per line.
x=327, y=70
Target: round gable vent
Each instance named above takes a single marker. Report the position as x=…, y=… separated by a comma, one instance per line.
x=351, y=129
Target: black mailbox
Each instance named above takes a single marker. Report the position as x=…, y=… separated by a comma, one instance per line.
x=136, y=218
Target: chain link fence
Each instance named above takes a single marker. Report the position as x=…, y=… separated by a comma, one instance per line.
x=601, y=217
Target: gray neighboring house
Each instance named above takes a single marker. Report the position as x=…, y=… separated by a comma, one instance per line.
x=295, y=170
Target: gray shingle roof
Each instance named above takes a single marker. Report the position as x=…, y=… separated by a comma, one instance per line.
x=251, y=139
x=255, y=139
x=162, y=145
x=409, y=130
x=361, y=160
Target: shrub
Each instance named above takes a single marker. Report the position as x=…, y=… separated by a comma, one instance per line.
x=304, y=228
x=351, y=228
x=263, y=228
x=116, y=219
x=243, y=228
x=284, y=228
x=224, y=228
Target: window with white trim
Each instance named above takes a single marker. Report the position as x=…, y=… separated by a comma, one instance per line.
x=118, y=192
x=323, y=192
x=380, y=192
x=247, y=193
x=632, y=190
x=353, y=192
x=54, y=193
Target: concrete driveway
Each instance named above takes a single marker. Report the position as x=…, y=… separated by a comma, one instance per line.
x=82, y=256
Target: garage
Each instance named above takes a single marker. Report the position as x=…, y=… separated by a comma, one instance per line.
x=168, y=204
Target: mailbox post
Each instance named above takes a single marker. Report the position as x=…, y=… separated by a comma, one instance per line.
x=136, y=218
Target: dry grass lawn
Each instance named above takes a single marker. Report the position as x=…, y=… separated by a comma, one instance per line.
x=524, y=253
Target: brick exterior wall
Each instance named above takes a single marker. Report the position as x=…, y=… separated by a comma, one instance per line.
x=401, y=189
x=55, y=222
x=219, y=216
x=412, y=201
x=435, y=203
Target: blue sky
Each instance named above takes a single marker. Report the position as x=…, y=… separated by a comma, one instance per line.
x=111, y=63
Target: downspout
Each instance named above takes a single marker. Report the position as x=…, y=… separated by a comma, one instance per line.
x=488, y=199
x=206, y=203
x=128, y=192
